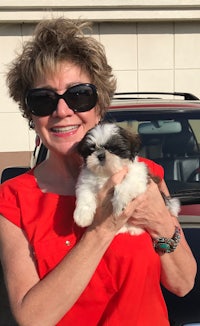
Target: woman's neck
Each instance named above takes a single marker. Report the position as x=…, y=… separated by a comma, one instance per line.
x=58, y=175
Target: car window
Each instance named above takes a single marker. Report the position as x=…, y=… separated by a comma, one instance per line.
x=173, y=142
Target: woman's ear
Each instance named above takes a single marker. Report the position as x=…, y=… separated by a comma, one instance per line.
x=98, y=120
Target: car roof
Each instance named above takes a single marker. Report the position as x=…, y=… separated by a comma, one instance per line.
x=139, y=102
x=153, y=107
x=155, y=104
x=154, y=95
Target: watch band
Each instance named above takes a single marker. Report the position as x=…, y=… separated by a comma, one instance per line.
x=167, y=245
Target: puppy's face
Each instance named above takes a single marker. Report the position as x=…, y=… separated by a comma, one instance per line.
x=107, y=148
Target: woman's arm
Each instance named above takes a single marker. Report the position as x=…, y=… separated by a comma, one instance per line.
x=178, y=268
x=36, y=302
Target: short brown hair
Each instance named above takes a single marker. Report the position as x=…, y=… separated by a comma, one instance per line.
x=57, y=40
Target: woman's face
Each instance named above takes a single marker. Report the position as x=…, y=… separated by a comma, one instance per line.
x=64, y=128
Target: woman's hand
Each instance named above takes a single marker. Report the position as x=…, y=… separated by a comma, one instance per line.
x=104, y=217
x=149, y=212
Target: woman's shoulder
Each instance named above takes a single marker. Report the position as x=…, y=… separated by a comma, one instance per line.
x=25, y=180
x=154, y=168
x=14, y=192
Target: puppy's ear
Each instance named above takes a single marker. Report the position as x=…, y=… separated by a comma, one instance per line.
x=86, y=146
x=82, y=147
x=133, y=140
x=155, y=178
x=136, y=144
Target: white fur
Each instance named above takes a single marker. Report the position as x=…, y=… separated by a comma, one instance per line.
x=173, y=205
x=93, y=175
x=102, y=132
x=87, y=187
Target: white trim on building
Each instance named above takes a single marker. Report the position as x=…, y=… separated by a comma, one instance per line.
x=13, y=11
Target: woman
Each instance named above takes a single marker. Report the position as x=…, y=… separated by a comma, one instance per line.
x=57, y=273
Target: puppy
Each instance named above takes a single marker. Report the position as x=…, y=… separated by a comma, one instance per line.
x=106, y=149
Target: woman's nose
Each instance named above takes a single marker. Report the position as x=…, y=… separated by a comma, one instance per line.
x=63, y=109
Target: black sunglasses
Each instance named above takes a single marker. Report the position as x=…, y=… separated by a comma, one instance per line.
x=79, y=98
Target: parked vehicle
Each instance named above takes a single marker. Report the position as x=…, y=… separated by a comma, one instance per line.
x=170, y=133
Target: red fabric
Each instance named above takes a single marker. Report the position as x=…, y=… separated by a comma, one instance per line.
x=125, y=289
x=155, y=169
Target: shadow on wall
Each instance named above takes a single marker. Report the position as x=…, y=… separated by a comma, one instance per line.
x=14, y=159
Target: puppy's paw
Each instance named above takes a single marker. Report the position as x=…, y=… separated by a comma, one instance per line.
x=123, y=194
x=120, y=199
x=83, y=215
x=132, y=185
x=118, y=205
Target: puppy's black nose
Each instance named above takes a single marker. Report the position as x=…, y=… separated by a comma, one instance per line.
x=101, y=156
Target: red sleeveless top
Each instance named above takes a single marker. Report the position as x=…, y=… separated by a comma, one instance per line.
x=125, y=288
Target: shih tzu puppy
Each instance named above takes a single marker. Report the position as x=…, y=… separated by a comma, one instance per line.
x=106, y=149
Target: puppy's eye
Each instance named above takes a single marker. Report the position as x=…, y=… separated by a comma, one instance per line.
x=111, y=149
x=85, y=150
x=92, y=148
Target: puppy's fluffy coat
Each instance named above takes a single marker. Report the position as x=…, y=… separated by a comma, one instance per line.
x=106, y=149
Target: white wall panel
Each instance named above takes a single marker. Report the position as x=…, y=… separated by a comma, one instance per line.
x=155, y=46
x=187, y=45
x=10, y=40
x=127, y=81
x=14, y=133
x=6, y=103
x=120, y=41
x=156, y=80
x=188, y=80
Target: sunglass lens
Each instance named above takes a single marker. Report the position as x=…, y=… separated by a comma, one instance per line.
x=82, y=97
x=41, y=102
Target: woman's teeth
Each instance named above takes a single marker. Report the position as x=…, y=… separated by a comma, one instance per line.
x=64, y=129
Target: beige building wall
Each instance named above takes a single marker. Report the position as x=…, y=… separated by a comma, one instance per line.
x=153, y=46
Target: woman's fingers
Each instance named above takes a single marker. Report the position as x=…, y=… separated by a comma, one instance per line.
x=108, y=187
